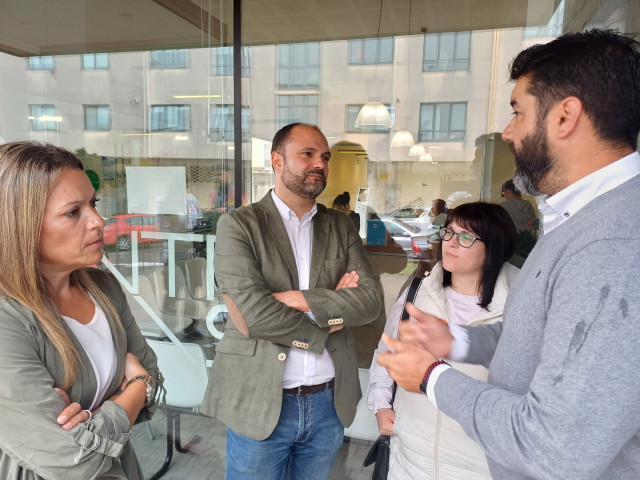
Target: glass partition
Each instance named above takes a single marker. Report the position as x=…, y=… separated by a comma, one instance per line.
x=156, y=130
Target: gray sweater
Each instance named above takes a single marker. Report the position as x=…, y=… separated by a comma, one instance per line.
x=563, y=396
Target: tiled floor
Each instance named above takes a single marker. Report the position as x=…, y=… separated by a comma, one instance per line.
x=206, y=460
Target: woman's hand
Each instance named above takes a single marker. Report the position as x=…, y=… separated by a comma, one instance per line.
x=386, y=417
x=132, y=368
x=73, y=414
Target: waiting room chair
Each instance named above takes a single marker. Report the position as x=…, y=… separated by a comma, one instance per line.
x=185, y=378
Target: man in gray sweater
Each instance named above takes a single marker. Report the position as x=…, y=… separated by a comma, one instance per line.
x=563, y=396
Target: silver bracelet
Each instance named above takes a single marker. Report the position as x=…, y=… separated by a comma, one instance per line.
x=149, y=391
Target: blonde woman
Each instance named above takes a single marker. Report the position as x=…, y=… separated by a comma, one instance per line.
x=75, y=372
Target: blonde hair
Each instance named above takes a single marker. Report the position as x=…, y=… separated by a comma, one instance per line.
x=28, y=173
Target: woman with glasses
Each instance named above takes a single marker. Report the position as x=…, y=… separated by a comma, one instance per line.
x=468, y=286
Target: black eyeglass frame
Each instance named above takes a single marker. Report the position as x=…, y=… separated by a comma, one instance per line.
x=442, y=233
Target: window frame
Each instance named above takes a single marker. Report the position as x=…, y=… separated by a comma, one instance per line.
x=166, y=107
x=437, y=135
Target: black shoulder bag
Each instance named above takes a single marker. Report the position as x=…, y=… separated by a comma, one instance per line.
x=379, y=452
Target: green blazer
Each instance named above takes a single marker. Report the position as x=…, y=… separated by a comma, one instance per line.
x=253, y=257
x=32, y=444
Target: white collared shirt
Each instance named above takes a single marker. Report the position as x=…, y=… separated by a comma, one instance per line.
x=558, y=208
x=302, y=368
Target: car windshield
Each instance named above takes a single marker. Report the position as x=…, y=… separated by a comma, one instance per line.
x=411, y=228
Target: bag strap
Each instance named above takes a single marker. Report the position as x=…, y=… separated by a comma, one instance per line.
x=411, y=296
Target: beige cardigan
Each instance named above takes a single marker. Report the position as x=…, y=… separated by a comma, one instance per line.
x=32, y=444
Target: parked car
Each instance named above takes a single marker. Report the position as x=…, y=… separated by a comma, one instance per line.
x=408, y=213
x=117, y=230
x=413, y=240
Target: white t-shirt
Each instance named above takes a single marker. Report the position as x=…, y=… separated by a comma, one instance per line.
x=95, y=337
x=461, y=309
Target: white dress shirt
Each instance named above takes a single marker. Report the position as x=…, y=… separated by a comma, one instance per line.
x=301, y=367
x=567, y=202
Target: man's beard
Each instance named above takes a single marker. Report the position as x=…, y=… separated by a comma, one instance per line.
x=533, y=161
x=297, y=183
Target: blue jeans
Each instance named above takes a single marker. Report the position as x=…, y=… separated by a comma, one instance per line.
x=303, y=445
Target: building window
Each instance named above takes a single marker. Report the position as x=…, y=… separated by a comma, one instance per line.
x=224, y=61
x=95, y=61
x=352, y=114
x=442, y=122
x=43, y=117
x=446, y=51
x=170, y=59
x=371, y=51
x=299, y=66
x=297, y=108
x=41, y=63
x=97, y=117
x=221, y=121
x=170, y=118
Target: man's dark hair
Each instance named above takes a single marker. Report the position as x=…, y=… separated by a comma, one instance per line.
x=281, y=137
x=509, y=185
x=600, y=67
x=494, y=226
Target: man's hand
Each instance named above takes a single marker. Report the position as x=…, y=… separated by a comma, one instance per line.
x=428, y=332
x=348, y=280
x=408, y=365
x=386, y=417
x=293, y=299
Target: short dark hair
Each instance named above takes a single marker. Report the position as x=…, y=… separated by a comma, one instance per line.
x=281, y=137
x=494, y=226
x=588, y=65
x=509, y=185
x=342, y=200
x=441, y=206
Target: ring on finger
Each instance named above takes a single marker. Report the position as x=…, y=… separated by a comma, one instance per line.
x=90, y=415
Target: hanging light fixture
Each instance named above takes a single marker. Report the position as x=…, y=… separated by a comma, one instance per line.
x=417, y=150
x=374, y=116
x=402, y=138
x=426, y=158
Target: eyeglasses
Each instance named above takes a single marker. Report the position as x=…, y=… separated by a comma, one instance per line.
x=465, y=240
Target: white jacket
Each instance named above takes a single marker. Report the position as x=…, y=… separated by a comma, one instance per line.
x=426, y=443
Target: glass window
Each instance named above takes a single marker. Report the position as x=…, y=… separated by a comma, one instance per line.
x=370, y=51
x=446, y=51
x=221, y=120
x=41, y=63
x=170, y=118
x=352, y=114
x=297, y=108
x=95, y=61
x=442, y=122
x=299, y=65
x=170, y=59
x=551, y=29
x=224, y=61
x=97, y=117
x=43, y=117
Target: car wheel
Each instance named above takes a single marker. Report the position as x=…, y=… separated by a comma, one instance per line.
x=123, y=242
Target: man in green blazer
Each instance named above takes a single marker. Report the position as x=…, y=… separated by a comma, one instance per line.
x=295, y=277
